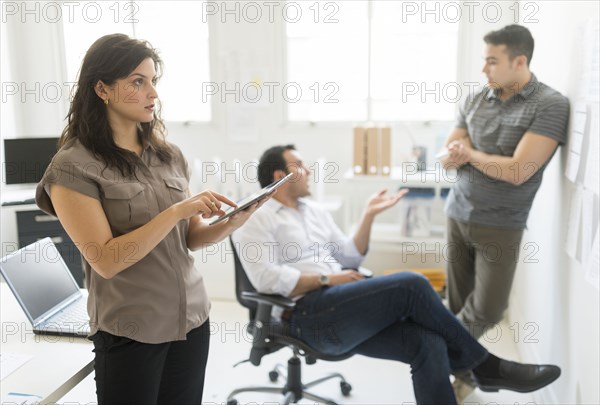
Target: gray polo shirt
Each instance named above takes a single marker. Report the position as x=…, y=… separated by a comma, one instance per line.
x=496, y=127
x=161, y=297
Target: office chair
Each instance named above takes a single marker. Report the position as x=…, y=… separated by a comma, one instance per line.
x=269, y=335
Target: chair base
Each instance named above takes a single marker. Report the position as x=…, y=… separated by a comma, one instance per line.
x=294, y=390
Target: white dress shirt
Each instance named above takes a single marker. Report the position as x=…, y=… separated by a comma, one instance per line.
x=279, y=243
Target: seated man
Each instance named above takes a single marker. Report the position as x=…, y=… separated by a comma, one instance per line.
x=400, y=317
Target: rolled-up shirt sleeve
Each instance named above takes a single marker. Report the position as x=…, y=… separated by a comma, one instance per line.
x=70, y=169
x=254, y=243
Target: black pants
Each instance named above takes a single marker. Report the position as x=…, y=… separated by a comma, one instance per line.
x=130, y=372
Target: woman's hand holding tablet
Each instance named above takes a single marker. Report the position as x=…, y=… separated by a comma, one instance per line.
x=254, y=198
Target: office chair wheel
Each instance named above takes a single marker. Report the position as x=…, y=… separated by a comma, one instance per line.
x=233, y=402
x=345, y=387
x=273, y=376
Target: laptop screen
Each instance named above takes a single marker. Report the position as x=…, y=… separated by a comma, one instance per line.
x=38, y=277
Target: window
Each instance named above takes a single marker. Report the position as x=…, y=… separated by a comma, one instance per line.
x=327, y=61
x=173, y=27
x=374, y=59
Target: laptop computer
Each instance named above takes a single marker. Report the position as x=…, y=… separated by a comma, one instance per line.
x=46, y=290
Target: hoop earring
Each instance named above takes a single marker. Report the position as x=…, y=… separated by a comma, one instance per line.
x=106, y=102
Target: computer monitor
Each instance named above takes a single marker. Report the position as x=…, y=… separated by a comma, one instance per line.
x=26, y=159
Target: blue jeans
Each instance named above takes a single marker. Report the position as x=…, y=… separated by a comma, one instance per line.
x=396, y=317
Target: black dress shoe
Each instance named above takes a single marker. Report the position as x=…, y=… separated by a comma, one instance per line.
x=518, y=377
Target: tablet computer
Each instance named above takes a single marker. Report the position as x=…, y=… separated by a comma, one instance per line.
x=253, y=198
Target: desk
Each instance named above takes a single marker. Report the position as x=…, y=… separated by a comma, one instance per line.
x=59, y=363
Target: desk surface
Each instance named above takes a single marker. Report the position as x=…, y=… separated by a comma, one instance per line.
x=58, y=363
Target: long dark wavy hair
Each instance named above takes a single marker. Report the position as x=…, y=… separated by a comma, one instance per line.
x=110, y=58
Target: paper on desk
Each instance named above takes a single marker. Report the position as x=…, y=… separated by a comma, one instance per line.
x=9, y=362
x=13, y=398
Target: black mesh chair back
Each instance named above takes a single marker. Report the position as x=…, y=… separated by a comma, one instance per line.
x=243, y=284
x=270, y=335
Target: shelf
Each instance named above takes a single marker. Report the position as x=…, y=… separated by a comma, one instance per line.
x=390, y=248
x=392, y=234
x=436, y=175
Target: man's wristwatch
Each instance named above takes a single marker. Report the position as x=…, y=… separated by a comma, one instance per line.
x=324, y=280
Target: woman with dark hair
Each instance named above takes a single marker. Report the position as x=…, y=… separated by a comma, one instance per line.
x=121, y=193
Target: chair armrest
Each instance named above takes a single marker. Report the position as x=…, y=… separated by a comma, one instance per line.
x=270, y=299
x=261, y=326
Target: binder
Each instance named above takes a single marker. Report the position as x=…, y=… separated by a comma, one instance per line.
x=372, y=151
x=385, y=154
x=359, y=165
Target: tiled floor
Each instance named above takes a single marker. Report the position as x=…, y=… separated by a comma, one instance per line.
x=375, y=382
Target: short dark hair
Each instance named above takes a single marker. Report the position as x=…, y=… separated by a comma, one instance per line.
x=518, y=41
x=271, y=161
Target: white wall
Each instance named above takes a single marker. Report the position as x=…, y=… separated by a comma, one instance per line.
x=8, y=126
x=551, y=293
x=34, y=97
x=40, y=99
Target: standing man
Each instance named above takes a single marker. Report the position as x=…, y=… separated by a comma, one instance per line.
x=505, y=136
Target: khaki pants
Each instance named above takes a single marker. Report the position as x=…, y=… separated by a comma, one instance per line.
x=481, y=267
